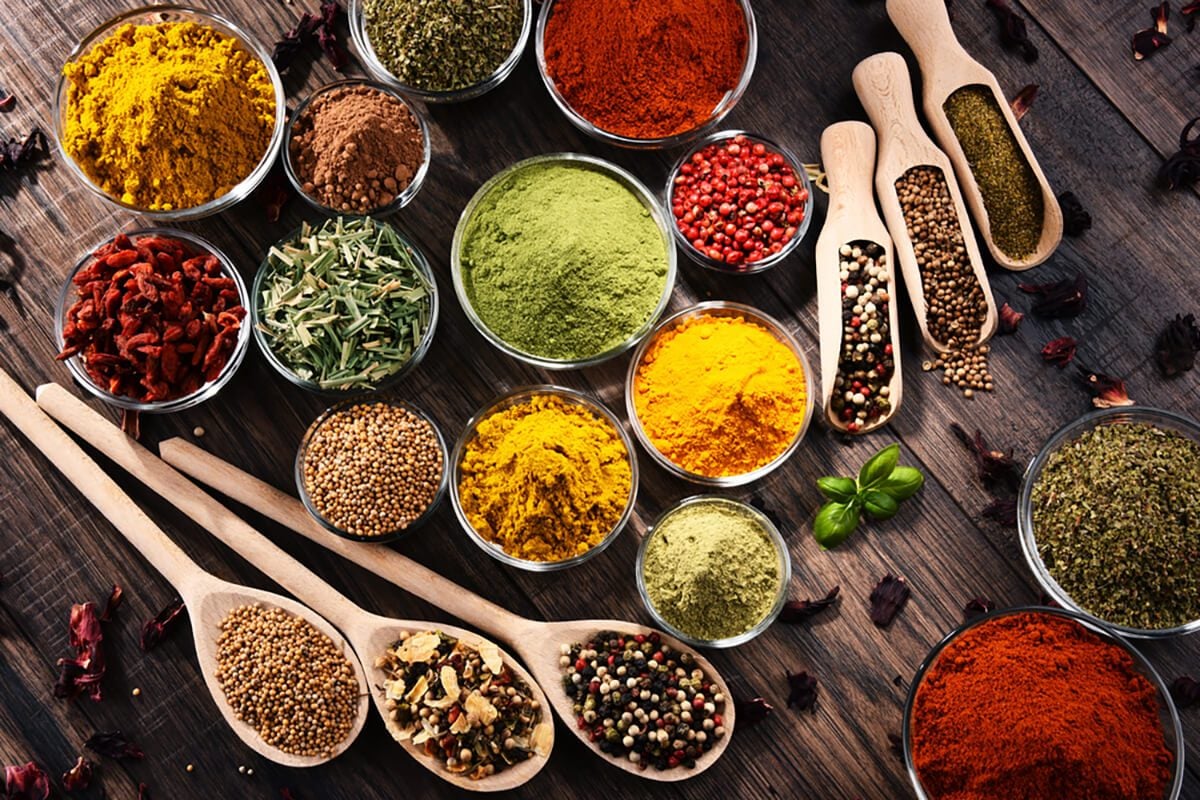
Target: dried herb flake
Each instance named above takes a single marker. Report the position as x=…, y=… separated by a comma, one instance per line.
x=113, y=744
x=802, y=691
x=888, y=598
x=155, y=630
x=1176, y=347
x=801, y=610
x=1059, y=352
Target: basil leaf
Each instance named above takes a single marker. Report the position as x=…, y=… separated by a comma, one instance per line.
x=842, y=490
x=903, y=483
x=835, y=522
x=879, y=505
x=879, y=466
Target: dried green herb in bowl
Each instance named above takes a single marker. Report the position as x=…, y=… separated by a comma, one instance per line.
x=349, y=306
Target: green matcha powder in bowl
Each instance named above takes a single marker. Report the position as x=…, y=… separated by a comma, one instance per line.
x=713, y=572
x=563, y=261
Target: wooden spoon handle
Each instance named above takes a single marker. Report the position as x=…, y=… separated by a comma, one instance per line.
x=848, y=157
x=383, y=561
x=884, y=89
x=94, y=483
x=199, y=506
x=925, y=25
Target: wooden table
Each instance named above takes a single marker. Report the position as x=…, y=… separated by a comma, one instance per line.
x=1101, y=126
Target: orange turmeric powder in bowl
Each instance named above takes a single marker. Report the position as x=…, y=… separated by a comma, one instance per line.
x=719, y=394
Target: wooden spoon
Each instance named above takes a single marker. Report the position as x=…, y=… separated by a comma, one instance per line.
x=538, y=643
x=369, y=634
x=848, y=156
x=945, y=68
x=883, y=87
x=209, y=599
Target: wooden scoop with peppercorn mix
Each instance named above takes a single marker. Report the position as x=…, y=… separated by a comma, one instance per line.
x=454, y=701
x=602, y=665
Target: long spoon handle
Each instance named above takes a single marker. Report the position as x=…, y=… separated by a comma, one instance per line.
x=379, y=559
x=94, y=483
x=848, y=157
x=206, y=511
x=925, y=25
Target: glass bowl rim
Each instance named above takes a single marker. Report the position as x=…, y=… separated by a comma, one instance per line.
x=511, y=398
x=626, y=179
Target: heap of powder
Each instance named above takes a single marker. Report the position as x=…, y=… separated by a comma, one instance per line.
x=563, y=262
x=354, y=148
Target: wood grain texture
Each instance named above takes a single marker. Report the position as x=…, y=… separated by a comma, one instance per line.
x=1100, y=127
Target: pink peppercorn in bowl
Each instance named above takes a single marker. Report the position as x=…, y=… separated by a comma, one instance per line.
x=752, y=230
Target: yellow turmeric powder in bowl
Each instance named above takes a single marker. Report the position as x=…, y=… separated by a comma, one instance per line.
x=169, y=111
x=719, y=394
x=544, y=478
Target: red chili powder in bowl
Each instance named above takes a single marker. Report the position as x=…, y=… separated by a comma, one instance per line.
x=645, y=69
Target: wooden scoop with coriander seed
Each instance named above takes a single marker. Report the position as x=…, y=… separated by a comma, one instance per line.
x=883, y=86
x=369, y=635
x=945, y=68
x=209, y=599
x=538, y=643
x=848, y=157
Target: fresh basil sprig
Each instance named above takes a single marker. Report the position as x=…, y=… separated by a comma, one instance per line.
x=881, y=486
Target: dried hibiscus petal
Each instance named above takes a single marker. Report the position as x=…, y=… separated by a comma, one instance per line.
x=1176, y=347
x=27, y=782
x=896, y=745
x=113, y=744
x=1059, y=299
x=887, y=598
x=1183, y=167
x=1002, y=510
x=802, y=691
x=8, y=100
x=751, y=712
x=1023, y=100
x=977, y=607
x=78, y=777
x=1185, y=691
x=286, y=794
x=800, y=610
x=115, y=598
x=1149, y=41
x=757, y=502
x=1188, y=12
x=1010, y=319
x=1107, y=391
x=16, y=153
x=155, y=630
x=1076, y=219
x=143, y=792
x=1013, y=34
x=83, y=673
x=323, y=26
x=1046, y=600
x=992, y=467
x=1060, y=351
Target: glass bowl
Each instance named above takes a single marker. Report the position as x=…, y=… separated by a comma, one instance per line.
x=703, y=259
x=387, y=383
x=150, y=15
x=1172, y=730
x=375, y=67
x=616, y=173
x=719, y=113
x=403, y=198
x=68, y=294
x=302, y=489
x=513, y=398
x=724, y=309
x=1109, y=416
x=785, y=563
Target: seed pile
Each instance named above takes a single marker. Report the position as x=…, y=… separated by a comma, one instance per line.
x=642, y=700
x=372, y=469
x=287, y=680
x=866, y=363
x=465, y=706
x=955, y=305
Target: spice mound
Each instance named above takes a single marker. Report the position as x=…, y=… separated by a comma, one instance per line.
x=344, y=306
x=168, y=116
x=866, y=361
x=738, y=201
x=711, y=569
x=466, y=706
x=720, y=396
x=646, y=70
x=287, y=680
x=642, y=700
x=563, y=262
x=545, y=479
x=1116, y=517
x=1011, y=192
x=355, y=148
x=1036, y=706
x=442, y=45
x=372, y=469
x=154, y=319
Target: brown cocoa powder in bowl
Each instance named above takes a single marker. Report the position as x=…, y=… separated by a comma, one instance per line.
x=354, y=148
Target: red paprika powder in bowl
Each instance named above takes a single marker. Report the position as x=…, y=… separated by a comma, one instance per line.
x=1040, y=703
x=646, y=74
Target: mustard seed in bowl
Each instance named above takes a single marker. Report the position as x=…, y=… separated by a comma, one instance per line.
x=371, y=470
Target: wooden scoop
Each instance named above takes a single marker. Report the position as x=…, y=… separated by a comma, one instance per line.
x=369, y=634
x=209, y=599
x=538, y=643
x=848, y=156
x=883, y=87
x=945, y=68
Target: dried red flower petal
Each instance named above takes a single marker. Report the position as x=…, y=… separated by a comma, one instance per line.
x=27, y=782
x=78, y=777
x=1002, y=510
x=1013, y=34
x=323, y=26
x=1182, y=168
x=1176, y=347
x=896, y=745
x=83, y=673
x=1059, y=299
x=1149, y=41
x=8, y=100
x=113, y=744
x=1188, y=12
x=757, y=502
x=155, y=630
x=992, y=467
x=1046, y=600
x=275, y=193
x=131, y=423
x=888, y=598
x=1060, y=351
x=286, y=794
x=1185, y=691
x=1107, y=391
x=16, y=153
x=143, y=792
x=802, y=691
x=1010, y=320
x=977, y=607
x=115, y=598
x=751, y=712
x=1023, y=100
x=801, y=610
x=1076, y=219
